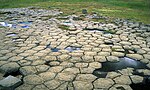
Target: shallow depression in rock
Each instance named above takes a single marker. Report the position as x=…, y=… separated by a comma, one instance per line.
x=11, y=34
x=67, y=23
x=122, y=64
x=5, y=24
x=94, y=30
x=16, y=24
x=71, y=48
x=55, y=49
x=25, y=26
x=52, y=49
x=27, y=22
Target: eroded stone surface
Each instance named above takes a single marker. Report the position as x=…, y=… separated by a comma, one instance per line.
x=103, y=83
x=28, y=70
x=112, y=58
x=39, y=50
x=47, y=75
x=33, y=79
x=65, y=77
x=81, y=85
x=53, y=84
x=123, y=80
x=85, y=77
x=9, y=67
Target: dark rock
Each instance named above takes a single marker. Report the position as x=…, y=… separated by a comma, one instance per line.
x=84, y=11
x=10, y=67
x=9, y=83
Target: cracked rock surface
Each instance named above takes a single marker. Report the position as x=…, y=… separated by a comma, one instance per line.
x=54, y=52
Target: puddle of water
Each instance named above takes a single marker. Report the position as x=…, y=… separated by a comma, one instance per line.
x=71, y=48
x=52, y=49
x=24, y=24
x=67, y=23
x=12, y=34
x=94, y=30
x=55, y=49
x=28, y=22
x=122, y=64
x=6, y=24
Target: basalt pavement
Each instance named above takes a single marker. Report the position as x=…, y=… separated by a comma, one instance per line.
x=39, y=57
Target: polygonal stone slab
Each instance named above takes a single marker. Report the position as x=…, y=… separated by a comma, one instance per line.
x=10, y=82
x=136, y=79
x=53, y=84
x=33, y=79
x=9, y=67
x=85, y=77
x=65, y=76
x=81, y=85
x=120, y=87
x=103, y=83
x=112, y=58
x=123, y=80
x=47, y=75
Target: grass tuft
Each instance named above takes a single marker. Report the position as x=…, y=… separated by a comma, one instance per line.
x=138, y=10
x=63, y=27
x=110, y=31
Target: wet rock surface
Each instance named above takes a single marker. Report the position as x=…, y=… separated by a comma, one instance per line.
x=47, y=51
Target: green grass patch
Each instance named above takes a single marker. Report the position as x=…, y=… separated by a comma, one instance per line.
x=62, y=18
x=18, y=3
x=47, y=17
x=110, y=31
x=138, y=10
x=64, y=27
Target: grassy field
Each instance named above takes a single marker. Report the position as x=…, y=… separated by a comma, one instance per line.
x=138, y=10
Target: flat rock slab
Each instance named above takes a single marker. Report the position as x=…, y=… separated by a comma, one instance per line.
x=9, y=67
x=10, y=82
